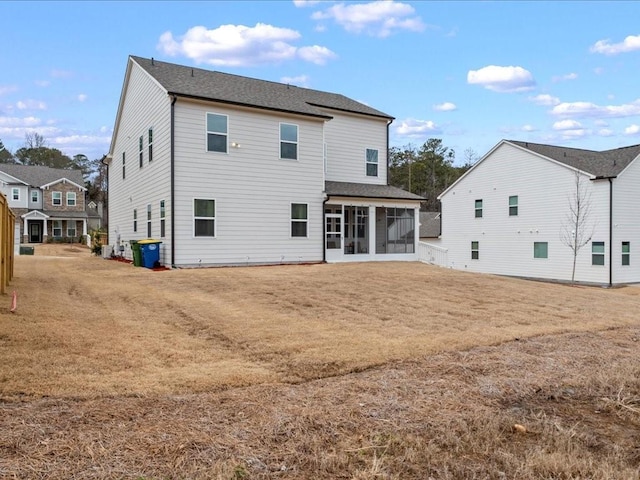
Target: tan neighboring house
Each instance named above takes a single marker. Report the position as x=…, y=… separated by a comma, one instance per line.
x=49, y=203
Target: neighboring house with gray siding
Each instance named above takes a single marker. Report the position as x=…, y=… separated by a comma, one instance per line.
x=507, y=214
x=49, y=203
x=230, y=170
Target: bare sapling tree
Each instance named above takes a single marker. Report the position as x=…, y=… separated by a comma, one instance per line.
x=577, y=229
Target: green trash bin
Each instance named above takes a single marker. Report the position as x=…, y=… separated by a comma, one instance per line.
x=137, y=254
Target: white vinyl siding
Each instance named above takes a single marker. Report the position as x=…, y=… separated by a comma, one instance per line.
x=144, y=103
x=347, y=137
x=252, y=186
x=544, y=187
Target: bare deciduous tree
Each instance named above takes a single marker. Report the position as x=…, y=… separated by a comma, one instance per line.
x=577, y=229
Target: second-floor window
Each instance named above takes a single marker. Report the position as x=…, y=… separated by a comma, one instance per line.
x=513, y=206
x=150, y=145
x=35, y=196
x=15, y=193
x=217, y=132
x=71, y=199
x=56, y=198
x=478, y=208
x=372, y=162
x=288, y=141
x=140, y=150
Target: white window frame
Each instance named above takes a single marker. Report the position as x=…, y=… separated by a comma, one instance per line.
x=71, y=195
x=478, y=209
x=626, y=256
x=475, y=250
x=15, y=194
x=536, y=251
x=162, y=218
x=54, y=228
x=367, y=162
x=596, y=254
x=513, y=209
x=213, y=132
x=69, y=228
x=213, y=218
x=141, y=150
x=149, y=221
x=290, y=142
x=53, y=199
x=304, y=221
x=150, y=143
x=37, y=196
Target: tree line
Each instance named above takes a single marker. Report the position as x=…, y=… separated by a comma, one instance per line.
x=36, y=152
x=427, y=170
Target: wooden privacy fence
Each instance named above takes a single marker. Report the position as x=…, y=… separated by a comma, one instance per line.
x=7, y=229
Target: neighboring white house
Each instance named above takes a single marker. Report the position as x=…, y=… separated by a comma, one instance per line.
x=507, y=214
x=49, y=203
x=230, y=170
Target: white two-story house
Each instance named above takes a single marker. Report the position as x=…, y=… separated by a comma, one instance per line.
x=49, y=203
x=512, y=212
x=230, y=170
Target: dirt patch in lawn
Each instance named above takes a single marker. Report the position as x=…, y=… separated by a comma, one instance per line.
x=390, y=370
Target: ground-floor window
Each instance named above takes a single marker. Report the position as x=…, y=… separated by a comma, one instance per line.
x=57, y=228
x=540, y=250
x=71, y=228
x=597, y=253
x=475, y=250
x=299, y=219
x=626, y=253
x=395, y=230
x=204, y=217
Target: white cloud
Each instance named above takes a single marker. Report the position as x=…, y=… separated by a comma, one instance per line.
x=502, y=79
x=445, y=107
x=15, y=122
x=42, y=83
x=588, y=109
x=568, y=76
x=629, y=44
x=632, y=130
x=239, y=46
x=566, y=125
x=82, y=97
x=528, y=128
x=575, y=133
x=305, y=3
x=31, y=105
x=417, y=128
x=545, y=99
x=605, y=132
x=300, y=80
x=379, y=18
x=316, y=54
x=601, y=123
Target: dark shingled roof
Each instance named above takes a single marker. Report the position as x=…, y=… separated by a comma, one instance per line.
x=365, y=190
x=36, y=176
x=223, y=87
x=429, y=224
x=608, y=163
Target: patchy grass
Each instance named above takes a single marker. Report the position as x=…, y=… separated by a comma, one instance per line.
x=326, y=371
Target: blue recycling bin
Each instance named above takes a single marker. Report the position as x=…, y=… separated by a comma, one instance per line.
x=150, y=252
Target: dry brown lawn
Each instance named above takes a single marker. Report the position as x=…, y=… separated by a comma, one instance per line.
x=357, y=371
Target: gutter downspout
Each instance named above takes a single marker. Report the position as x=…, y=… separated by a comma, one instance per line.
x=324, y=231
x=610, y=232
x=389, y=122
x=173, y=183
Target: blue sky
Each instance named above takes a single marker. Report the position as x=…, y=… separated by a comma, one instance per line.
x=470, y=73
